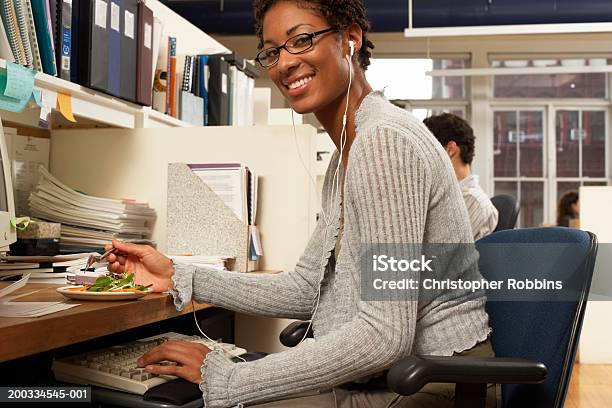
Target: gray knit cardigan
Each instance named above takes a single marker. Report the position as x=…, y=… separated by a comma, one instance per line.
x=399, y=188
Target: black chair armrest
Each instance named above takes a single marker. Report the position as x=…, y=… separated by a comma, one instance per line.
x=412, y=373
x=294, y=333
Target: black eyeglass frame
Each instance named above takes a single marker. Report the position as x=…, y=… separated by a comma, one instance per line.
x=284, y=46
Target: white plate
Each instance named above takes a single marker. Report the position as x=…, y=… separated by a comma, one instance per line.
x=78, y=295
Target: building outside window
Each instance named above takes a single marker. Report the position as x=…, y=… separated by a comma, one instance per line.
x=550, y=135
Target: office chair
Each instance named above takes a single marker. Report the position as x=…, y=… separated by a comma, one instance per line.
x=508, y=209
x=534, y=341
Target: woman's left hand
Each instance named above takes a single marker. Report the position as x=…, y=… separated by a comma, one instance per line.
x=187, y=356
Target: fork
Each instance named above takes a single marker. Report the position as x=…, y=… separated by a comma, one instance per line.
x=93, y=259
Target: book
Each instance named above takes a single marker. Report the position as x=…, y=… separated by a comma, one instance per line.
x=218, y=84
x=31, y=27
x=44, y=36
x=128, y=49
x=62, y=41
x=12, y=31
x=113, y=58
x=203, y=75
x=171, y=86
x=93, y=64
x=6, y=52
x=22, y=26
x=145, y=62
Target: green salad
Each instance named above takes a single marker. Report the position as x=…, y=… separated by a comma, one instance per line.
x=117, y=283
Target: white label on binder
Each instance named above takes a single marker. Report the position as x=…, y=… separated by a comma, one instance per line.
x=101, y=7
x=224, y=83
x=115, y=15
x=129, y=24
x=65, y=63
x=148, y=36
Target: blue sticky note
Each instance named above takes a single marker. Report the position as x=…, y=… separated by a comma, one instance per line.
x=12, y=105
x=19, y=81
x=37, y=96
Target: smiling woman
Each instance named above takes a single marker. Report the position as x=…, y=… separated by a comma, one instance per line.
x=390, y=181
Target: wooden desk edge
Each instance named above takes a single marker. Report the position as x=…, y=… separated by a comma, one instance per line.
x=27, y=336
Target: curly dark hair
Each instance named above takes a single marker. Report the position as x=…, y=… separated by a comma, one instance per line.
x=339, y=14
x=564, y=208
x=447, y=127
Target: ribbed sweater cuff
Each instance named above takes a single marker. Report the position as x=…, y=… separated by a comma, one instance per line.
x=183, y=284
x=216, y=372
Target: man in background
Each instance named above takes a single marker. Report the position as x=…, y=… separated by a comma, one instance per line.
x=457, y=137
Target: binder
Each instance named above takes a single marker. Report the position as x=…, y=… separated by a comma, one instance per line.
x=12, y=31
x=113, y=61
x=171, y=81
x=144, y=80
x=218, y=83
x=44, y=36
x=203, y=76
x=63, y=36
x=6, y=52
x=74, y=42
x=94, y=18
x=199, y=222
x=243, y=74
x=22, y=27
x=36, y=60
x=129, y=50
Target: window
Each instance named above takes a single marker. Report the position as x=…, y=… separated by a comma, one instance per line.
x=406, y=79
x=580, y=147
x=585, y=85
x=518, y=159
x=406, y=84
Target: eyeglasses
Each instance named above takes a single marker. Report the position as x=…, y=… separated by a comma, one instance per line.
x=294, y=45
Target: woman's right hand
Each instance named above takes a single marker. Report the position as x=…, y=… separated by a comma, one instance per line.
x=149, y=266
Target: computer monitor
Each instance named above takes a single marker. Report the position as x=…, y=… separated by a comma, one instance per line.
x=8, y=235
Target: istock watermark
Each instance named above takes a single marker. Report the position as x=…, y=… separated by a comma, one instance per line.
x=508, y=272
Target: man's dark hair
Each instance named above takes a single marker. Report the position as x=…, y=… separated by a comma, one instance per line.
x=340, y=14
x=447, y=127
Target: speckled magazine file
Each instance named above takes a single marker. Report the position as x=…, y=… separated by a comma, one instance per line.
x=200, y=223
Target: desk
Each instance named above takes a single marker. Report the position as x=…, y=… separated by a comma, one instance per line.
x=25, y=336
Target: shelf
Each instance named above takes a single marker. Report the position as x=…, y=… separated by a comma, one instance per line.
x=93, y=106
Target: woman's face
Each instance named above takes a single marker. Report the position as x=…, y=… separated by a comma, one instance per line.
x=316, y=78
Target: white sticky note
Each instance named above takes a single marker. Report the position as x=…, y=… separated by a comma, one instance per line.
x=115, y=16
x=128, y=26
x=148, y=36
x=101, y=7
x=49, y=98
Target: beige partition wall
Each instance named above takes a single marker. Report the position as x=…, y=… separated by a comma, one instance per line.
x=595, y=216
x=133, y=163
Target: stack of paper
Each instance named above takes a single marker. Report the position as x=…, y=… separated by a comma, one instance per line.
x=43, y=269
x=89, y=222
x=8, y=308
x=215, y=262
x=235, y=185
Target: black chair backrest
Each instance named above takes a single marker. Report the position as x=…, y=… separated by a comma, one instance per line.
x=508, y=209
x=540, y=329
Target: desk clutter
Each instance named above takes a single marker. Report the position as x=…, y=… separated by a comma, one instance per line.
x=212, y=209
x=116, y=47
x=9, y=308
x=88, y=222
x=57, y=269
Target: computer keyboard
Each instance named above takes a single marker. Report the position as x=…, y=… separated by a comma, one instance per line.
x=115, y=367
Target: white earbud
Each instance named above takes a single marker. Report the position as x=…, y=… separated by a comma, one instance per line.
x=352, y=46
